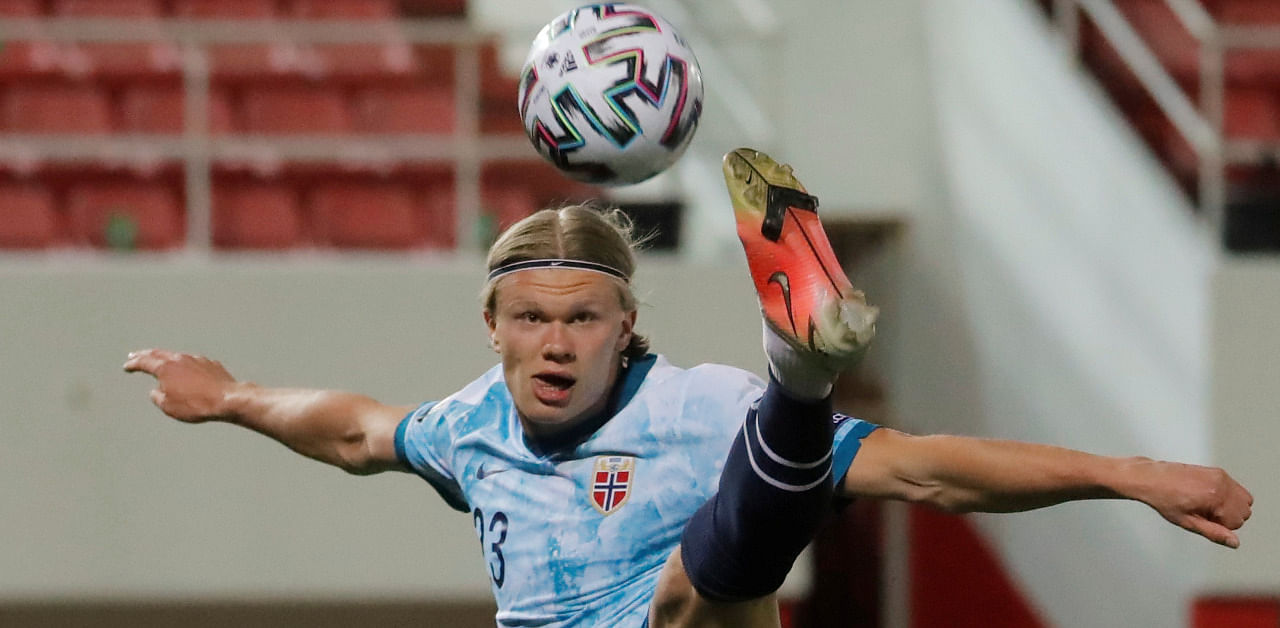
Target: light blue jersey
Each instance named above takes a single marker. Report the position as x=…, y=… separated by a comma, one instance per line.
x=574, y=533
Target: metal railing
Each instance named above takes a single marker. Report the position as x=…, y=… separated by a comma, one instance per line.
x=466, y=148
x=1200, y=124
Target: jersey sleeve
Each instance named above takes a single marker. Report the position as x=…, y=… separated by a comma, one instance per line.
x=423, y=444
x=848, y=440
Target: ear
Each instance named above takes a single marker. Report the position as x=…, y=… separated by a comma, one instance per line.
x=492, y=324
x=628, y=324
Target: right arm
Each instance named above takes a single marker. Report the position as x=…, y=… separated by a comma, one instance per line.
x=349, y=431
x=963, y=474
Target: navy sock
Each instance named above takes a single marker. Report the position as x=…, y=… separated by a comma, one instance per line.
x=775, y=488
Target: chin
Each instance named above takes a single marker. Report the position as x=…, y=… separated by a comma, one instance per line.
x=550, y=421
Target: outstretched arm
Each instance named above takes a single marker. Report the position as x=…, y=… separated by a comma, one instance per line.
x=962, y=474
x=347, y=430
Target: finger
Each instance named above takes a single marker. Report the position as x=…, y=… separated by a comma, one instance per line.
x=1213, y=531
x=1231, y=520
x=146, y=361
x=1231, y=515
x=157, y=397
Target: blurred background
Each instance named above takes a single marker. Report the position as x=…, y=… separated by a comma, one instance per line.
x=1068, y=211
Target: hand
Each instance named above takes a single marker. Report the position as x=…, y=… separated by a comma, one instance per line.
x=189, y=388
x=1204, y=500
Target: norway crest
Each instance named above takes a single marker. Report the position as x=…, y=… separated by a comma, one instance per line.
x=611, y=482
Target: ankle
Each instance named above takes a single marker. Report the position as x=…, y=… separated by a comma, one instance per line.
x=801, y=374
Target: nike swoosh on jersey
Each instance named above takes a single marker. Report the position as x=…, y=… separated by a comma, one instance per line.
x=481, y=473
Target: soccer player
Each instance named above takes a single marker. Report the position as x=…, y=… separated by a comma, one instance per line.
x=596, y=473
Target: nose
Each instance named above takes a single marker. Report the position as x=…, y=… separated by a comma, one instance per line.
x=557, y=346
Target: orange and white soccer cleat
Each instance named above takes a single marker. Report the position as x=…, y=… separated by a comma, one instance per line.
x=804, y=295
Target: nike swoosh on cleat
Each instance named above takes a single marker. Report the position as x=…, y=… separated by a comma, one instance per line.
x=780, y=277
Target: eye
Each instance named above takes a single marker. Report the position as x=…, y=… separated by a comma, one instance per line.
x=583, y=317
x=528, y=317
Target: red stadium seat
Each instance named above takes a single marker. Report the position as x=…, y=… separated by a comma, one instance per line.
x=57, y=109
x=393, y=59
x=122, y=60
x=252, y=62
x=256, y=216
x=291, y=110
x=363, y=63
x=22, y=60
x=366, y=215
x=498, y=114
x=117, y=60
x=225, y=9
x=1249, y=67
x=1160, y=28
x=125, y=214
x=155, y=109
x=1257, y=12
x=238, y=62
x=1251, y=114
x=107, y=8
x=544, y=182
x=20, y=8
x=1252, y=67
x=343, y=9
x=29, y=219
x=435, y=63
x=433, y=8
x=405, y=110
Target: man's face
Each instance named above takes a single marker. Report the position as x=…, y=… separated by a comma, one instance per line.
x=560, y=333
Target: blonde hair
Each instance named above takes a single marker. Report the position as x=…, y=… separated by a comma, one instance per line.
x=578, y=232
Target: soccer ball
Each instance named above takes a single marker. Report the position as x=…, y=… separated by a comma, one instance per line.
x=610, y=94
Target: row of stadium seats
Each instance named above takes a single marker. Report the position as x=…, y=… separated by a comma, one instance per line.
x=358, y=92
x=234, y=9
x=391, y=58
x=1244, y=11
x=321, y=109
x=275, y=88
x=132, y=213
x=320, y=207
x=112, y=63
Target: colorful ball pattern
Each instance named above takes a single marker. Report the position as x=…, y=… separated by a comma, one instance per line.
x=610, y=94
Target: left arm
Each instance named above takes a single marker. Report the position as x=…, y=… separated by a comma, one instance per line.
x=962, y=474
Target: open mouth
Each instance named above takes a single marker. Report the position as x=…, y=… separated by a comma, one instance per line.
x=555, y=381
x=552, y=387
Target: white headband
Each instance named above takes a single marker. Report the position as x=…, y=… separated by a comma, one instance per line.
x=533, y=264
